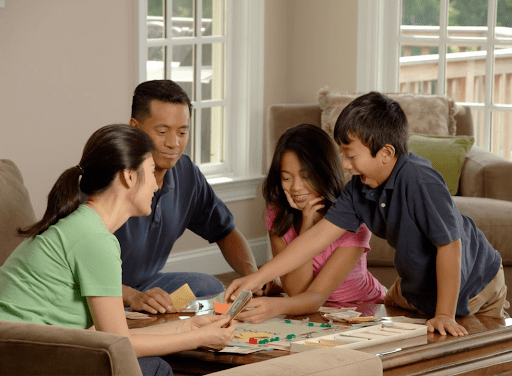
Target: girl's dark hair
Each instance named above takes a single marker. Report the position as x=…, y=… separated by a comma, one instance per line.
x=318, y=155
x=108, y=151
x=376, y=120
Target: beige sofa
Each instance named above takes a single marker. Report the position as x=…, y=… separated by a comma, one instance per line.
x=485, y=187
x=33, y=349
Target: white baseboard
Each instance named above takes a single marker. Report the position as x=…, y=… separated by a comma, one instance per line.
x=210, y=260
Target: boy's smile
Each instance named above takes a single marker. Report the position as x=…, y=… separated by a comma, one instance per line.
x=358, y=160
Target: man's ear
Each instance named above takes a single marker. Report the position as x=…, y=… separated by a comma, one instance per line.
x=387, y=153
x=127, y=177
x=134, y=123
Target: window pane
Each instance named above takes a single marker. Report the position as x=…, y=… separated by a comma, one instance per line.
x=212, y=135
x=156, y=22
x=213, y=22
x=419, y=69
x=468, y=18
x=504, y=20
x=420, y=12
x=479, y=123
x=465, y=73
x=155, y=67
x=189, y=149
x=182, y=67
x=212, y=71
x=183, y=18
x=501, y=128
x=502, y=75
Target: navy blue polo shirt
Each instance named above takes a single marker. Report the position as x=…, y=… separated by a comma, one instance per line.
x=186, y=200
x=415, y=212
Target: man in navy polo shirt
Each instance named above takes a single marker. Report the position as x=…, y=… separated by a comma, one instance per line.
x=445, y=264
x=162, y=109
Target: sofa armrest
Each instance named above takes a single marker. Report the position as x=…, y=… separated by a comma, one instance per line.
x=321, y=362
x=486, y=175
x=34, y=349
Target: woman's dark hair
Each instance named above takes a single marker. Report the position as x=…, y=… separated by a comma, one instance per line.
x=376, y=120
x=162, y=90
x=108, y=151
x=318, y=155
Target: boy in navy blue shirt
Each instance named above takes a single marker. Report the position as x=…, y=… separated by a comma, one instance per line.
x=445, y=264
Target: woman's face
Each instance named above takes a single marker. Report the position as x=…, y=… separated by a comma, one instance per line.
x=295, y=180
x=146, y=188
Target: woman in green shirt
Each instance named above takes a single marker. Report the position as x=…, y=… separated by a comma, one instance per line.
x=68, y=270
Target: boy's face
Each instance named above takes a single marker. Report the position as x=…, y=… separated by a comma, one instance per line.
x=358, y=160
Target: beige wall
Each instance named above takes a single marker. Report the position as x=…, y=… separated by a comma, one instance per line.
x=68, y=67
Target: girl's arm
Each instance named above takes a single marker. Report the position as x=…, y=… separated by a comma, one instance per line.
x=108, y=316
x=334, y=272
x=298, y=280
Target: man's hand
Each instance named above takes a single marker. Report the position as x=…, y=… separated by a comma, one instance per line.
x=153, y=301
x=445, y=323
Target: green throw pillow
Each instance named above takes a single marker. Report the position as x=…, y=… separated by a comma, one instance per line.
x=447, y=154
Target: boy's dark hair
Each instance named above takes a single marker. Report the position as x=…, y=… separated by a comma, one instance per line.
x=110, y=150
x=318, y=155
x=376, y=120
x=163, y=90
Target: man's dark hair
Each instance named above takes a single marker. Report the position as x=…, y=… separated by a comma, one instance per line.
x=163, y=90
x=376, y=120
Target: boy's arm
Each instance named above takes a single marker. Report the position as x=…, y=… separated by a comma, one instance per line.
x=448, y=286
x=302, y=249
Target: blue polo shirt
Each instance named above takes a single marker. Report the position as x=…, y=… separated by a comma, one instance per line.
x=415, y=212
x=186, y=200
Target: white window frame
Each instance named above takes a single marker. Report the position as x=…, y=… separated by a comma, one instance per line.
x=378, y=53
x=242, y=173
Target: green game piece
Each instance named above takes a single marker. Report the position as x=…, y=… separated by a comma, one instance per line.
x=288, y=321
x=262, y=342
x=290, y=336
x=323, y=325
x=311, y=324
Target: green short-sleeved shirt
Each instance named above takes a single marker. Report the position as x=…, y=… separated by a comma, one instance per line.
x=46, y=279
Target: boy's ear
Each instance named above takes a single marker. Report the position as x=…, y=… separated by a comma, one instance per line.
x=127, y=178
x=387, y=153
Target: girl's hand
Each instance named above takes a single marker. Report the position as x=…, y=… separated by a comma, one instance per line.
x=310, y=212
x=215, y=336
x=263, y=309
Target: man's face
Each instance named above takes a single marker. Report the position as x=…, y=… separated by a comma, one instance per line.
x=168, y=127
x=358, y=160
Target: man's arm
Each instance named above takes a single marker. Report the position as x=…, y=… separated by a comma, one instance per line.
x=448, y=286
x=238, y=253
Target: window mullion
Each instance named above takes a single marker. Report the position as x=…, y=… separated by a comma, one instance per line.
x=443, y=30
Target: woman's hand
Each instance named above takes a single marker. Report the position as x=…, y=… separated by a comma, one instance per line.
x=212, y=331
x=263, y=309
x=310, y=213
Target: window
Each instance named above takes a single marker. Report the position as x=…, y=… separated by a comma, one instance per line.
x=206, y=46
x=458, y=48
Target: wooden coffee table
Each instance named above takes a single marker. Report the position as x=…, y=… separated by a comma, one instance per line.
x=487, y=350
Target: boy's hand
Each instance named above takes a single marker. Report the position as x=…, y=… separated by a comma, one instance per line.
x=445, y=323
x=249, y=282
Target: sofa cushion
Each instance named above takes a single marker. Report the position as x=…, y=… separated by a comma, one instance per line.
x=446, y=153
x=35, y=349
x=321, y=362
x=15, y=208
x=426, y=114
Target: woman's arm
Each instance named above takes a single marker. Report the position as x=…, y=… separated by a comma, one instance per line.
x=334, y=272
x=108, y=316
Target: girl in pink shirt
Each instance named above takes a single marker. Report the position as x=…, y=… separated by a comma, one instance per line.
x=304, y=180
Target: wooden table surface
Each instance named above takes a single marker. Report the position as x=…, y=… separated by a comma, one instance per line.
x=487, y=350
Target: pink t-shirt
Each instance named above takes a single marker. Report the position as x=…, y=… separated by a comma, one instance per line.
x=360, y=285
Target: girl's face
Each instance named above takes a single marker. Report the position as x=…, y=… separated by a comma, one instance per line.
x=295, y=180
x=146, y=188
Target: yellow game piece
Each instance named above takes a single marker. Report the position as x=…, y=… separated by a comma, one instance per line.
x=182, y=296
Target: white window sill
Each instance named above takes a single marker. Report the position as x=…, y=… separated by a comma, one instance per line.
x=236, y=189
